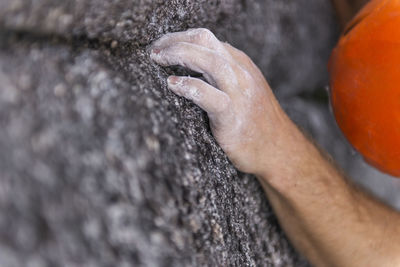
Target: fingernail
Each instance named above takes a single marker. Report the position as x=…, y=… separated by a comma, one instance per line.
x=156, y=51
x=173, y=80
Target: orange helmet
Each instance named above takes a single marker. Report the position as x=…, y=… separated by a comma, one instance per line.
x=365, y=84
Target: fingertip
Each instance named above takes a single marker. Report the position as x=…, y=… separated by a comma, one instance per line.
x=173, y=80
x=155, y=54
x=173, y=84
x=155, y=51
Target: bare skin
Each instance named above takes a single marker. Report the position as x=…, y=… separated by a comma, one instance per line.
x=327, y=219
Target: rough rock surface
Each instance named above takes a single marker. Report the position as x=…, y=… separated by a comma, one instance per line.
x=100, y=171
x=100, y=165
x=289, y=40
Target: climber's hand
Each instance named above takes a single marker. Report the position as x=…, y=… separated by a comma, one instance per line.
x=245, y=117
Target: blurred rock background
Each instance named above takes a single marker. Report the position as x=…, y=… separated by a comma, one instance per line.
x=100, y=165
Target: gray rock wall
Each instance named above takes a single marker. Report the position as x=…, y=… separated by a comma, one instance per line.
x=100, y=165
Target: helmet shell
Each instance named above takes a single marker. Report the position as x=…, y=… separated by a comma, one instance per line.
x=365, y=84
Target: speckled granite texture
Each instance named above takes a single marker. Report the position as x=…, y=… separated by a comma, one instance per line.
x=100, y=165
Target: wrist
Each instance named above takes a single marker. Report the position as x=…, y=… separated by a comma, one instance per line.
x=292, y=155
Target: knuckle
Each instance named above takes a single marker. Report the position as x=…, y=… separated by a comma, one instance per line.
x=240, y=55
x=203, y=35
x=206, y=33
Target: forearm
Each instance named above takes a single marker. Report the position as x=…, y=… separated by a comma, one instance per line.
x=328, y=219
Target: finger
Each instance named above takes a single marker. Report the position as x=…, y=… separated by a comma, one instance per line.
x=200, y=36
x=239, y=56
x=245, y=62
x=202, y=60
x=209, y=98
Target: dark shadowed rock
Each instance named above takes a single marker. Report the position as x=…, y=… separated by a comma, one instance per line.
x=102, y=166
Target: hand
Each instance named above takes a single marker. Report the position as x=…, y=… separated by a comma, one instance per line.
x=310, y=197
x=245, y=117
